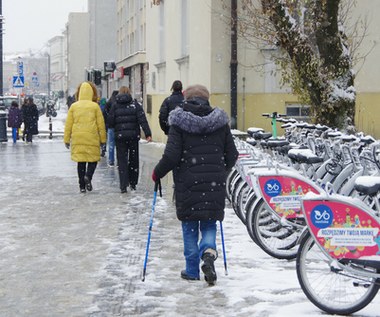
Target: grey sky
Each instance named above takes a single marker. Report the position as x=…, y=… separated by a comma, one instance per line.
x=29, y=24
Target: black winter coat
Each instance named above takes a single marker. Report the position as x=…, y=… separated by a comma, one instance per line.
x=30, y=117
x=126, y=116
x=169, y=104
x=108, y=106
x=200, y=150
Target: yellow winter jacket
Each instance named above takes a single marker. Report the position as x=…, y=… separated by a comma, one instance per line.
x=84, y=128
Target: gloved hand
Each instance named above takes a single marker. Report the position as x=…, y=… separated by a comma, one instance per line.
x=67, y=145
x=103, y=148
x=154, y=177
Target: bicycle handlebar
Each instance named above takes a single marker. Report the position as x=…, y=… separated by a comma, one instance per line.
x=273, y=115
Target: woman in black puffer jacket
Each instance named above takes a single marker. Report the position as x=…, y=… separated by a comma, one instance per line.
x=200, y=151
x=126, y=117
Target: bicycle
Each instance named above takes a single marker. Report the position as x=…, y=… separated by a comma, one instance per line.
x=338, y=260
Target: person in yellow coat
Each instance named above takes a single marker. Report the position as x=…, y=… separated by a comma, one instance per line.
x=85, y=133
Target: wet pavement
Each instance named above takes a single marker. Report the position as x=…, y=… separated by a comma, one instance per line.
x=54, y=240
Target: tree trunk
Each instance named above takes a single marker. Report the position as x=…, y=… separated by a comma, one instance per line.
x=322, y=63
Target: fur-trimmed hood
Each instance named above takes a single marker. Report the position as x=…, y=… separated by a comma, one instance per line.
x=198, y=118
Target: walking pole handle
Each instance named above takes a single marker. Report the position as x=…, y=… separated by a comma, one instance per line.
x=158, y=187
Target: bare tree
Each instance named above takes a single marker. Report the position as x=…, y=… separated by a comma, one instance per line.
x=317, y=59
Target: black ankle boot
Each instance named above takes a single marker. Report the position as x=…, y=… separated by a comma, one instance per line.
x=185, y=276
x=87, y=181
x=208, y=268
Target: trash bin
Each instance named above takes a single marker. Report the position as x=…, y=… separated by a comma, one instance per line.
x=3, y=124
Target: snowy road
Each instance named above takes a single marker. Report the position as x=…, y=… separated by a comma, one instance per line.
x=67, y=254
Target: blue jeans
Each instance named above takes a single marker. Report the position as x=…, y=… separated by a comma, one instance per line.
x=14, y=134
x=192, y=250
x=111, y=145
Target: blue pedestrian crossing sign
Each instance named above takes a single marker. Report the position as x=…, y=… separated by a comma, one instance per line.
x=18, y=81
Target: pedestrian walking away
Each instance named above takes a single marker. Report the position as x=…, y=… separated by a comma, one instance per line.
x=110, y=131
x=14, y=120
x=85, y=133
x=169, y=104
x=200, y=151
x=102, y=105
x=126, y=117
x=30, y=117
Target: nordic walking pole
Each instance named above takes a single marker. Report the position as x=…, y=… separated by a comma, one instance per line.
x=224, y=249
x=157, y=185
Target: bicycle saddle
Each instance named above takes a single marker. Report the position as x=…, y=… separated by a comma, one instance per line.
x=304, y=156
x=368, y=185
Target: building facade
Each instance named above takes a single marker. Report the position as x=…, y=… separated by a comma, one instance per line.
x=191, y=41
x=57, y=71
x=157, y=42
x=78, y=49
x=102, y=32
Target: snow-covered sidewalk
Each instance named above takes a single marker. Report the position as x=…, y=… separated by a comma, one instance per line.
x=69, y=254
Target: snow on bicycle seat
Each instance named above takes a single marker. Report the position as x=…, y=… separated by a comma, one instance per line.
x=287, y=125
x=334, y=134
x=251, y=141
x=304, y=156
x=367, y=139
x=262, y=135
x=349, y=138
x=277, y=142
x=310, y=126
x=252, y=130
x=301, y=125
x=322, y=127
x=368, y=185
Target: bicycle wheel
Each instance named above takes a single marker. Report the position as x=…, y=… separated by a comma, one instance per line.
x=332, y=290
x=241, y=201
x=270, y=235
x=238, y=187
x=230, y=178
x=235, y=187
x=249, y=208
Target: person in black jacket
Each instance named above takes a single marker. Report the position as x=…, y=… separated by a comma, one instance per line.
x=200, y=151
x=30, y=117
x=126, y=117
x=110, y=131
x=169, y=104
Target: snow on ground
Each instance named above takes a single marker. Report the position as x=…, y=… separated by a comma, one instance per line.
x=257, y=285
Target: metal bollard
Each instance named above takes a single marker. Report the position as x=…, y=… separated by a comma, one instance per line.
x=50, y=128
x=3, y=124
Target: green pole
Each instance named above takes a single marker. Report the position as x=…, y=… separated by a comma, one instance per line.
x=274, y=125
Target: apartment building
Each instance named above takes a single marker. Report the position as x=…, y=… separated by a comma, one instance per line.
x=159, y=41
x=102, y=35
x=131, y=48
x=57, y=71
x=78, y=49
x=191, y=41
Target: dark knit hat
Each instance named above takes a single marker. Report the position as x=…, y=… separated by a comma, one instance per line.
x=177, y=85
x=197, y=91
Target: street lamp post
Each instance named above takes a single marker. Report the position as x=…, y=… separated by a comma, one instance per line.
x=1, y=48
x=48, y=72
x=49, y=106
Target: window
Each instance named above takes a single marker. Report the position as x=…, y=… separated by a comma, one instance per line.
x=149, y=104
x=298, y=111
